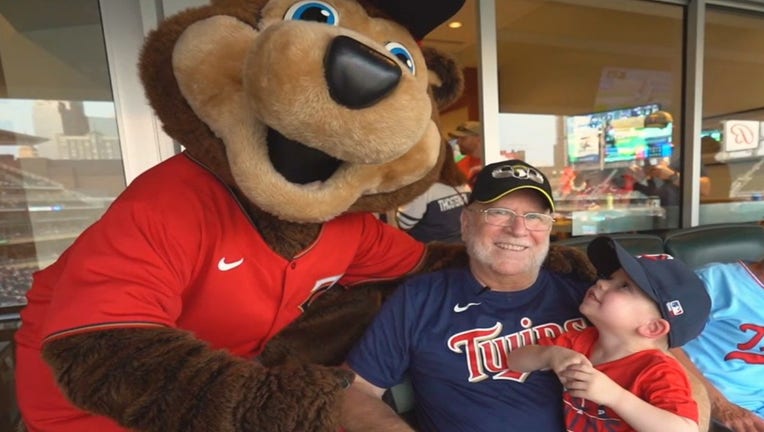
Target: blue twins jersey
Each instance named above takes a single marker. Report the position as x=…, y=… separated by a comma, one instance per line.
x=452, y=338
x=730, y=350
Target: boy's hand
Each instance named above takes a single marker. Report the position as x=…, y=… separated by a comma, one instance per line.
x=560, y=359
x=584, y=381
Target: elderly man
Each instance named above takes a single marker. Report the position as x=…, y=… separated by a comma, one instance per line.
x=450, y=331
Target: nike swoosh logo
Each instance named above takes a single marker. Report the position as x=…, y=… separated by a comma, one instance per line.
x=225, y=266
x=458, y=308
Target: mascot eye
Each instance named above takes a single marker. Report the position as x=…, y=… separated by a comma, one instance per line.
x=315, y=11
x=402, y=54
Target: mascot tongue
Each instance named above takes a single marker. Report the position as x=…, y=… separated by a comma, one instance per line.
x=299, y=163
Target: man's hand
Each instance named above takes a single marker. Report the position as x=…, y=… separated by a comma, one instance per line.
x=638, y=173
x=662, y=171
x=584, y=381
x=737, y=418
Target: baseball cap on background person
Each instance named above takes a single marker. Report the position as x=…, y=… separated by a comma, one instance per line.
x=498, y=179
x=677, y=290
x=468, y=128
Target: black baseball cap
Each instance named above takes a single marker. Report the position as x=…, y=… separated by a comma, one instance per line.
x=498, y=179
x=675, y=288
x=420, y=17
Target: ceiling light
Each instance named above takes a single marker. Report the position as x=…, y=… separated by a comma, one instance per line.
x=455, y=24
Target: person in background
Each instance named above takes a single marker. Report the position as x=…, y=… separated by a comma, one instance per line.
x=618, y=375
x=663, y=180
x=468, y=136
x=435, y=215
x=728, y=356
x=449, y=331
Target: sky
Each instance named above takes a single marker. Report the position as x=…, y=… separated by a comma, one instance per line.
x=17, y=115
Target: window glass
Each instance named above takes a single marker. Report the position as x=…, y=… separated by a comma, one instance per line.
x=577, y=81
x=732, y=143
x=60, y=156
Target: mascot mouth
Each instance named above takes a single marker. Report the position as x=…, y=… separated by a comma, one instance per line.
x=297, y=162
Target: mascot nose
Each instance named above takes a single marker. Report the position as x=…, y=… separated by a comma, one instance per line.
x=358, y=76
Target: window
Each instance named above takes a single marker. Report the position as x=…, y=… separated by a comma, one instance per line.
x=577, y=81
x=732, y=145
x=60, y=155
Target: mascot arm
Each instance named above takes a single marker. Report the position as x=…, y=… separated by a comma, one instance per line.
x=570, y=260
x=329, y=328
x=160, y=379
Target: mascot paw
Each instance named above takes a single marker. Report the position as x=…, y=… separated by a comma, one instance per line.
x=296, y=398
x=567, y=259
x=329, y=327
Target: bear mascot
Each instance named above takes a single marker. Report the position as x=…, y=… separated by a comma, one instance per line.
x=219, y=289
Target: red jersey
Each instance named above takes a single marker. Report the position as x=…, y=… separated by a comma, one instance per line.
x=470, y=166
x=651, y=375
x=175, y=249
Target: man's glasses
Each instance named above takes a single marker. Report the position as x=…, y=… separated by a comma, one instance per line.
x=505, y=217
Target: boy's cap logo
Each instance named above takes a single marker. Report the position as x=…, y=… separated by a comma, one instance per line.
x=519, y=172
x=675, y=308
x=656, y=257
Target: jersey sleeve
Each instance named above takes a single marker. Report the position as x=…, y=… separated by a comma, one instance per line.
x=383, y=252
x=666, y=386
x=382, y=355
x=411, y=213
x=125, y=270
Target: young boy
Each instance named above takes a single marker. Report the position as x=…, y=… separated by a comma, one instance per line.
x=617, y=374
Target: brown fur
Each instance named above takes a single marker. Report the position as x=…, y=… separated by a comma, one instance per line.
x=220, y=392
x=450, y=174
x=450, y=82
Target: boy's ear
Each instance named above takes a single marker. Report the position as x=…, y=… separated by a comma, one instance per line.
x=655, y=328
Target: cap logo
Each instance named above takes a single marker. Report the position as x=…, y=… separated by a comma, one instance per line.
x=656, y=257
x=675, y=308
x=519, y=172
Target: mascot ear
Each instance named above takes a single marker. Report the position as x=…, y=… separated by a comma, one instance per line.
x=446, y=77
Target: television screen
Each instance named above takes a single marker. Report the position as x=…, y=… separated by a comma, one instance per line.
x=583, y=136
x=633, y=142
x=617, y=136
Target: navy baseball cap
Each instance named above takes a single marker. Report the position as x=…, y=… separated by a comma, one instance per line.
x=496, y=180
x=678, y=291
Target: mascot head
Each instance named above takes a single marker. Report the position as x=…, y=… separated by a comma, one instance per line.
x=308, y=109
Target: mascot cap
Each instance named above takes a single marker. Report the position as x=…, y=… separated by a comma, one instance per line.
x=419, y=16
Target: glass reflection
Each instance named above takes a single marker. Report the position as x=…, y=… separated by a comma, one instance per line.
x=578, y=81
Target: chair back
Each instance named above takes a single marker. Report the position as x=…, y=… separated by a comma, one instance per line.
x=723, y=243
x=636, y=244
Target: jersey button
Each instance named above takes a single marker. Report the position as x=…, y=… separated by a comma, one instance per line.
x=294, y=265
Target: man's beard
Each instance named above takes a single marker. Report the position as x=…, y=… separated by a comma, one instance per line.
x=481, y=253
